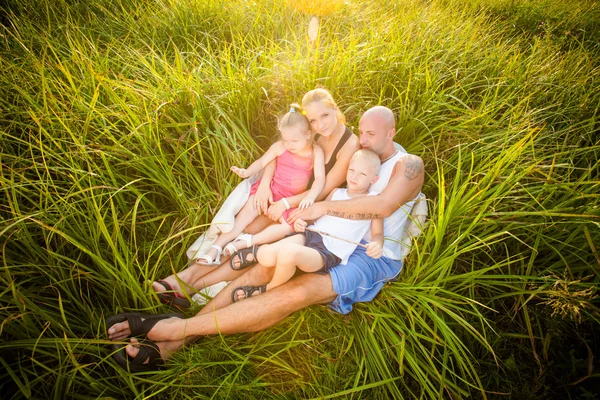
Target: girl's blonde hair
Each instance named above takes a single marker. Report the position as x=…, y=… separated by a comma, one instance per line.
x=294, y=117
x=321, y=94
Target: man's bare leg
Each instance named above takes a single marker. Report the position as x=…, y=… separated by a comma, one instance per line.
x=251, y=315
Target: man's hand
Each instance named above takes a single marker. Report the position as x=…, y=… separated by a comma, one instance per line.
x=309, y=214
x=241, y=172
x=374, y=250
x=300, y=225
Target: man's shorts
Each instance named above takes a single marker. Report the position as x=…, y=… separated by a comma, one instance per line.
x=361, y=279
x=315, y=241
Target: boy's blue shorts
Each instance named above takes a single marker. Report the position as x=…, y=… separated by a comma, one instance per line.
x=361, y=279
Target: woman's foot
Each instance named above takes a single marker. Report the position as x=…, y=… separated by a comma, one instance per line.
x=170, y=293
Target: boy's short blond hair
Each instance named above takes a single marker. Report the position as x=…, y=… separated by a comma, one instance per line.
x=370, y=158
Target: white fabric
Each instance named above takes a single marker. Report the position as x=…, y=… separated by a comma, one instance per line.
x=224, y=219
x=406, y=222
x=349, y=229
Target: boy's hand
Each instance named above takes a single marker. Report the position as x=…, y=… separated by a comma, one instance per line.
x=300, y=225
x=306, y=202
x=374, y=250
x=241, y=172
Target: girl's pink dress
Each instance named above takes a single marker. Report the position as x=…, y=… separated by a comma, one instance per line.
x=292, y=173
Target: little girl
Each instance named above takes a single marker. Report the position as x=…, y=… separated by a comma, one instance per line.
x=297, y=158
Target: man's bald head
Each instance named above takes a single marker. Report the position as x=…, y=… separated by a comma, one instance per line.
x=382, y=116
x=377, y=128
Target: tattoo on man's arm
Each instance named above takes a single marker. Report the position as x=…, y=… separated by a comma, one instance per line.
x=358, y=216
x=413, y=167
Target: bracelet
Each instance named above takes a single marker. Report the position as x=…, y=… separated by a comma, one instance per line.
x=287, y=205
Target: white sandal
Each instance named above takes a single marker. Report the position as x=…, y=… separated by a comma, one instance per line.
x=207, y=260
x=230, y=249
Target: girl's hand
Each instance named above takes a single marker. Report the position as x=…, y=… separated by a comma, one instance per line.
x=241, y=172
x=306, y=202
x=300, y=225
x=262, y=198
x=374, y=250
x=275, y=210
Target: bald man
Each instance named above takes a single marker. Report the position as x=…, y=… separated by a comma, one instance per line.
x=400, y=181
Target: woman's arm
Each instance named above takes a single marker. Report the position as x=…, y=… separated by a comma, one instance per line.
x=275, y=150
x=318, y=182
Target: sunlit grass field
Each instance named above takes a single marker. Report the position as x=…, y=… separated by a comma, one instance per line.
x=119, y=120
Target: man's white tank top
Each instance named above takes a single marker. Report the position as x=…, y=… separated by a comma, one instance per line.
x=349, y=229
x=393, y=226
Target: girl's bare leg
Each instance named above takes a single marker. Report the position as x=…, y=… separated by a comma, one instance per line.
x=270, y=234
x=246, y=215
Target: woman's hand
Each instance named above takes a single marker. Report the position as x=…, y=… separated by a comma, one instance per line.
x=306, y=202
x=374, y=250
x=300, y=225
x=262, y=198
x=275, y=210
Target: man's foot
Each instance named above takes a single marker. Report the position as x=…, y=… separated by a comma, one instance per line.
x=166, y=348
x=144, y=355
x=162, y=327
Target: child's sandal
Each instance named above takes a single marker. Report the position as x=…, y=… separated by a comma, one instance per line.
x=207, y=260
x=243, y=258
x=230, y=249
x=249, y=291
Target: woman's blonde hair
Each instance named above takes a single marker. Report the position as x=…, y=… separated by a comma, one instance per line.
x=321, y=94
x=294, y=117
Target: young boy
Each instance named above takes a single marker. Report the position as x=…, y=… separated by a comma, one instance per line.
x=313, y=252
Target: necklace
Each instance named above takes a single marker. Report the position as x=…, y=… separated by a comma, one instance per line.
x=331, y=137
x=396, y=152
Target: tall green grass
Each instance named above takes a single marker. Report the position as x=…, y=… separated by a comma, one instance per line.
x=119, y=121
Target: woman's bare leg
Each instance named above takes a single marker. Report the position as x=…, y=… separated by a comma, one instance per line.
x=185, y=279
